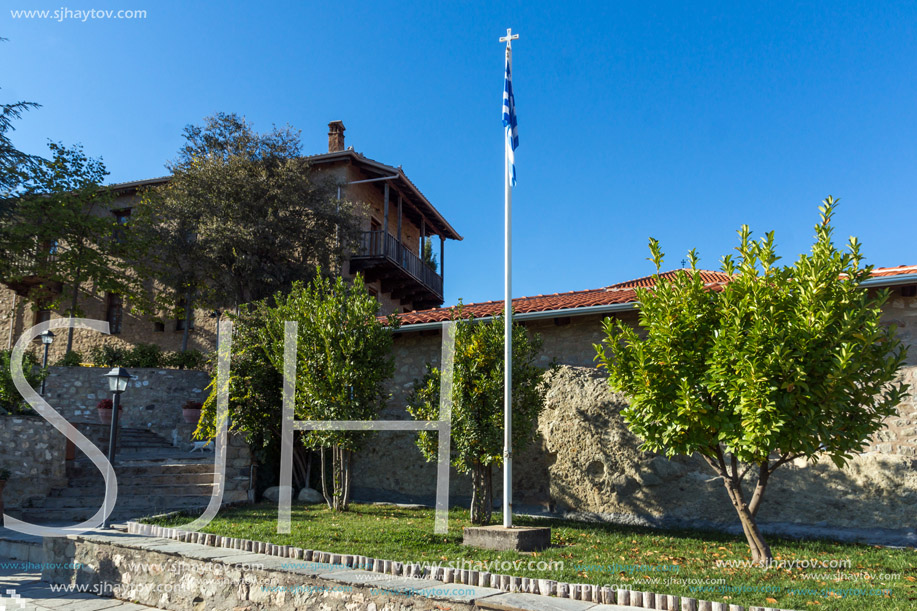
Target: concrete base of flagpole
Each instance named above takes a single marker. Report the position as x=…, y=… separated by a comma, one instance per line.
x=498, y=537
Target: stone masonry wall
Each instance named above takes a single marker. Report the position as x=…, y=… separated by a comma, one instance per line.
x=34, y=452
x=585, y=459
x=182, y=576
x=152, y=401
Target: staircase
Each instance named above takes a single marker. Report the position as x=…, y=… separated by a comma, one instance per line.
x=153, y=478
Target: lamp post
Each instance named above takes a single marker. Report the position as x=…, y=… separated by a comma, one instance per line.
x=47, y=338
x=218, y=314
x=118, y=379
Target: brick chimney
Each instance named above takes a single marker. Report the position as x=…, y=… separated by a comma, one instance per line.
x=336, y=136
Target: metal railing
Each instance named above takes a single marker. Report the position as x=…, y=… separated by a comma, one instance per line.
x=383, y=244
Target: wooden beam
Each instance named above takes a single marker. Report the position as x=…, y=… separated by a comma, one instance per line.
x=442, y=259
x=385, y=216
x=400, y=241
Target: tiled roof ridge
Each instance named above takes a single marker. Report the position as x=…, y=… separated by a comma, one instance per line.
x=615, y=294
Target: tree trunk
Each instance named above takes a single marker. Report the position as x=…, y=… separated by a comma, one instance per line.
x=481, y=499
x=732, y=479
x=341, y=478
x=189, y=312
x=325, y=480
x=73, y=302
x=760, y=550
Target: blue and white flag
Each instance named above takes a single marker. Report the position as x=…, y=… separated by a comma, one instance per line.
x=509, y=118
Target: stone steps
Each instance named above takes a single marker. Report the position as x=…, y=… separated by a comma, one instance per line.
x=136, y=488
x=153, y=478
x=94, y=480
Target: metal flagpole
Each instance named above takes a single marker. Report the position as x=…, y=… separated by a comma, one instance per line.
x=508, y=308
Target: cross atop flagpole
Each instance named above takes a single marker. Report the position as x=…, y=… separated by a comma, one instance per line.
x=511, y=141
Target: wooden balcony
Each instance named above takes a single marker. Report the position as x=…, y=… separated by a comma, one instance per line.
x=25, y=274
x=381, y=256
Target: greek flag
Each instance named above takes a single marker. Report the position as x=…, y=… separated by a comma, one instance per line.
x=509, y=119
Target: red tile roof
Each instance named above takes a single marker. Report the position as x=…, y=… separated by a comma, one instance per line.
x=621, y=293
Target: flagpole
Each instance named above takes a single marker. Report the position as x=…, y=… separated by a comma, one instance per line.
x=508, y=312
x=508, y=339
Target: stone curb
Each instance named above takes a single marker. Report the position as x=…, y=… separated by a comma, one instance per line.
x=508, y=583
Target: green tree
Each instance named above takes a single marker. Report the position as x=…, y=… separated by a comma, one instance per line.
x=477, y=403
x=255, y=386
x=242, y=217
x=13, y=162
x=64, y=233
x=343, y=359
x=784, y=362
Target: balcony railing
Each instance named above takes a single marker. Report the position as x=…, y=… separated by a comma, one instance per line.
x=378, y=244
x=28, y=264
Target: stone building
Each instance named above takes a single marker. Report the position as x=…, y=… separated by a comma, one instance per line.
x=388, y=254
x=586, y=461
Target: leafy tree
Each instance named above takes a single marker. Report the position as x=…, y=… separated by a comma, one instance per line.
x=343, y=360
x=13, y=162
x=63, y=230
x=784, y=362
x=477, y=408
x=255, y=387
x=243, y=216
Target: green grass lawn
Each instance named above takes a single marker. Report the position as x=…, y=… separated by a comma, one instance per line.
x=589, y=553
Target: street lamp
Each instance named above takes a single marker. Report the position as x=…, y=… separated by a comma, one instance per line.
x=118, y=379
x=218, y=314
x=47, y=338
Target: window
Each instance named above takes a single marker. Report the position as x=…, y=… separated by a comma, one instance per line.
x=42, y=316
x=114, y=313
x=121, y=218
x=159, y=327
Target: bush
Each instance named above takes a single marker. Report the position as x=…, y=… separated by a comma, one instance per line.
x=192, y=359
x=107, y=356
x=71, y=359
x=10, y=400
x=144, y=355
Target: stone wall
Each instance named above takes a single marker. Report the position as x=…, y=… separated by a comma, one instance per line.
x=17, y=316
x=191, y=577
x=153, y=400
x=34, y=452
x=585, y=459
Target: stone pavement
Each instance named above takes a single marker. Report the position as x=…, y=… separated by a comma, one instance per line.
x=22, y=589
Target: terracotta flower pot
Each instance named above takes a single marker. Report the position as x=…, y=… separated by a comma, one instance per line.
x=105, y=415
x=191, y=415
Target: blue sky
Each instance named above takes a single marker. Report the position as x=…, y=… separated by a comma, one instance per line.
x=679, y=121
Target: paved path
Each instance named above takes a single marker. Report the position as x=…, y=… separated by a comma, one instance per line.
x=23, y=590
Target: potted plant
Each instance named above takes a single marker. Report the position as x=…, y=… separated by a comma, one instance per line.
x=4, y=477
x=104, y=408
x=191, y=411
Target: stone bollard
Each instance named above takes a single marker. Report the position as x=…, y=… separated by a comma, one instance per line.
x=688, y=604
x=623, y=597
